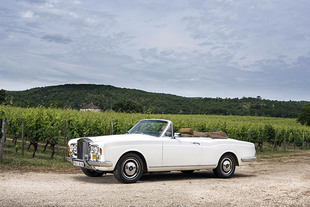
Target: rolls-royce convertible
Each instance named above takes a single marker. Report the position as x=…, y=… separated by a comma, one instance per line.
x=151, y=146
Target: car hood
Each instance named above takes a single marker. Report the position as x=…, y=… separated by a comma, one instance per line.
x=113, y=138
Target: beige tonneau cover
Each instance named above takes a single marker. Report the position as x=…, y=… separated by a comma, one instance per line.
x=188, y=132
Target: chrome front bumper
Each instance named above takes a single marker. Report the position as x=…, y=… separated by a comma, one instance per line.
x=248, y=159
x=89, y=163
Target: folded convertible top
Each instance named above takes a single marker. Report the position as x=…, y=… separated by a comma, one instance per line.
x=188, y=132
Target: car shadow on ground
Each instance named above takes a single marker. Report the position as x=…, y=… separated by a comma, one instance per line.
x=157, y=177
x=153, y=177
x=105, y=179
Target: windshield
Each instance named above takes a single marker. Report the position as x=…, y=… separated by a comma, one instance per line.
x=149, y=127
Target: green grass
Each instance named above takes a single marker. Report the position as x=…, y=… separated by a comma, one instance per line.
x=41, y=162
x=268, y=151
x=280, y=153
x=27, y=163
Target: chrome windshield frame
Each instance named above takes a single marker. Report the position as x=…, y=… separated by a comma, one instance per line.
x=162, y=134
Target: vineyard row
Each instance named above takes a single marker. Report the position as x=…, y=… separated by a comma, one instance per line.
x=54, y=125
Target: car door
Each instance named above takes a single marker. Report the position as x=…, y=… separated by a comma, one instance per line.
x=181, y=152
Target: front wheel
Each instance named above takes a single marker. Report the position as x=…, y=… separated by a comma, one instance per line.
x=226, y=166
x=129, y=168
x=92, y=173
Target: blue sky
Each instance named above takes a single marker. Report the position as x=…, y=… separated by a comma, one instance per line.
x=194, y=48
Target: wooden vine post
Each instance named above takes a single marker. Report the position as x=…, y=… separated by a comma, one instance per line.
x=294, y=140
x=303, y=140
x=284, y=141
x=250, y=135
x=3, y=139
x=23, y=136
x=66, y=150
x=275, y=141
x=111, y=127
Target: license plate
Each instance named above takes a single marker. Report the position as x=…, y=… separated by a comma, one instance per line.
x=78, y=163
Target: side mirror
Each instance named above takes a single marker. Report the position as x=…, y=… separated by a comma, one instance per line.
x=176, y=135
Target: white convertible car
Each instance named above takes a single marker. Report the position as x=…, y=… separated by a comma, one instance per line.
x=151, y=146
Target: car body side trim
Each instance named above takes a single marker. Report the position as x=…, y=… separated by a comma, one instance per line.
x=181, y=167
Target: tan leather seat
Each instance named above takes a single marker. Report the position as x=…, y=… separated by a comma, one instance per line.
x=188, y=132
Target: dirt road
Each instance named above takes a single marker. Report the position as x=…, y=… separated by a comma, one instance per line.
x=273, y=182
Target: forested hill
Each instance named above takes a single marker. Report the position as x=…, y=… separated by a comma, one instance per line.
x=104, y=96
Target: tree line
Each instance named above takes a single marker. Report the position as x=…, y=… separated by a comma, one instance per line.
x=75, y=96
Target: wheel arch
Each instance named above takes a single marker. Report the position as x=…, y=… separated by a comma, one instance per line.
x=137, y=153
x=231, y=153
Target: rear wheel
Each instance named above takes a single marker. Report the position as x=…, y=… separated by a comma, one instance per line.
x=226, y=166
x=92, y=173
x=129, y=168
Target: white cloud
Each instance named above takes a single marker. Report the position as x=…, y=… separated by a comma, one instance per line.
x=28, y=14
x=192, y=48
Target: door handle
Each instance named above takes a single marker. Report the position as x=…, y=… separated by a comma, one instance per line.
x=196, y=143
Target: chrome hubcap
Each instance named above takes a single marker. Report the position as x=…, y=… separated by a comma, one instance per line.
x=227, y=165
x=130, y=168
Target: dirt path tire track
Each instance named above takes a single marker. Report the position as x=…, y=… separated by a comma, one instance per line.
x=273, y=182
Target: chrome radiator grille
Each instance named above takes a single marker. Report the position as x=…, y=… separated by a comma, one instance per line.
x=82, y=149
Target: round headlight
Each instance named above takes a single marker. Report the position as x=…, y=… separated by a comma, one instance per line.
x=94, y=149
x=73, y=148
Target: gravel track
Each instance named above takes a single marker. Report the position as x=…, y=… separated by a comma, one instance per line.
x=272, y=182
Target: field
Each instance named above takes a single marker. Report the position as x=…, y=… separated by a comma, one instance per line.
x=49, y=130
x=46, y=132
x=47, y=124
x=51, y=124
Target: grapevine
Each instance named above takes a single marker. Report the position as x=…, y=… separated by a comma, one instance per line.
x=49, y=126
